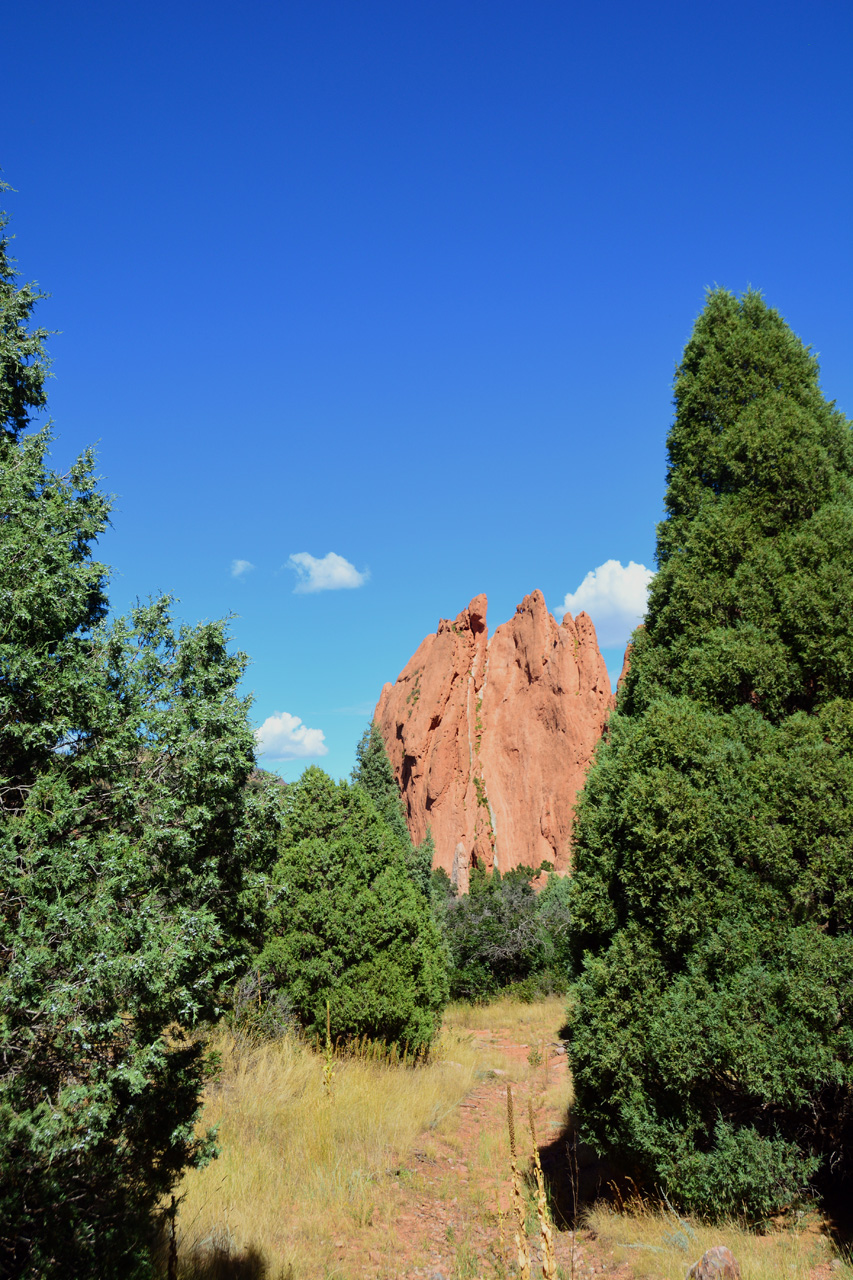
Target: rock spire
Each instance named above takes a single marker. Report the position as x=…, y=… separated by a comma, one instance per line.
x=490, y=740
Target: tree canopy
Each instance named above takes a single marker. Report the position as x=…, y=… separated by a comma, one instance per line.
x=503, y=934
x=374, y=774
x=712, y=900
x=345, y=923
x=128, y=838
x=24, y=364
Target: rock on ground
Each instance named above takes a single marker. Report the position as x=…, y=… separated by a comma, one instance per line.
x=715, y=1264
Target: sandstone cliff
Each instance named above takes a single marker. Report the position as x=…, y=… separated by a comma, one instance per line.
x=490, y=740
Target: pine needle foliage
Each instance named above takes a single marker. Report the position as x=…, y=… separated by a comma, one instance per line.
x=24, y=363
x=712, y=901
x=373, y=772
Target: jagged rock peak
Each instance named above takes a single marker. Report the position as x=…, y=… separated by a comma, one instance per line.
x=490, y=740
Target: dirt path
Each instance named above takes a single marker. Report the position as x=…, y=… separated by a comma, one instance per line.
x=446, y=1206
x=443, y=1212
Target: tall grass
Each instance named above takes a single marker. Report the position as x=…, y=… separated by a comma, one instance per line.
x=656, y=1242
x=304, y=1156
x=540, y=1020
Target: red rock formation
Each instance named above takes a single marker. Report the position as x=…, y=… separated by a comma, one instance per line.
x=490, y=741
x=626, y=667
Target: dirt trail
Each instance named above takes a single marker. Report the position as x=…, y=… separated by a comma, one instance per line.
x=440, y=1213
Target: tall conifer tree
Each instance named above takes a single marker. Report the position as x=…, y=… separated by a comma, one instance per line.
x=712, y=1038
x=373, y=773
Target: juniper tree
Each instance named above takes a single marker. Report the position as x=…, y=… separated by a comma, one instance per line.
x=712, y=900
x=374, y=774
x=127, y=840
x=345, y=922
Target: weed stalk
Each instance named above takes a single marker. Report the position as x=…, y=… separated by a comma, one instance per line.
x=329, y=1064
x=549, y=1261
x=172, y=1267
x=520, y=1235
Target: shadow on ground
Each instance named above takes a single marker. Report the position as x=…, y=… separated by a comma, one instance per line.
x=575, y=1176
x=216, y=1260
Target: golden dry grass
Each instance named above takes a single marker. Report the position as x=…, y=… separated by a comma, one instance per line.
x=659, y=1244
x=299, y=1167
x=532, y=1022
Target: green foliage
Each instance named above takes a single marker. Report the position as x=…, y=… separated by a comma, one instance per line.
x=712, y=900
x=374, y=774
x=23, y=359
x=127, y=834
x=345, y=923
x=503, y=934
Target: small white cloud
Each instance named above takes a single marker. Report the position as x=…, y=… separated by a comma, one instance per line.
x=332, y=573
x=614, y=595
x=239, y=567
x=284, y=737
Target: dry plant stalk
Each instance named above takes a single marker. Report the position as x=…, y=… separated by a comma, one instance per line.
x=328, y=1066
x=520, y=1235
x=501, y=1236
x=549, y=1261
x=172, y=1265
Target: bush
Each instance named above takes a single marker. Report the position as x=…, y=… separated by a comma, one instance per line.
x=712, y=900
x=345, y=924
x=503, y=935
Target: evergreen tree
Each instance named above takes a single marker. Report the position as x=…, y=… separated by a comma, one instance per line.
x=127, y=835
x=712, y=900
x=346, y=925
x=24, y=364
x=373, y=772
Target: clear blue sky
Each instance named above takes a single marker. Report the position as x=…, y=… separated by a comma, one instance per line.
x=405, y=282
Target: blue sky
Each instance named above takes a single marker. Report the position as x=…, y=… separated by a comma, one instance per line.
x=406, y=284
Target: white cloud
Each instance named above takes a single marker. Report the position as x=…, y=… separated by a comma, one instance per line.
x=239, y=567
x=332, y=573
x=284, y=737
x=614, y=595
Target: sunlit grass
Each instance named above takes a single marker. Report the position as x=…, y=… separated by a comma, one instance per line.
x=656, y=1242
x=302, y=1170
x=532, y=1022
x=300, y=1166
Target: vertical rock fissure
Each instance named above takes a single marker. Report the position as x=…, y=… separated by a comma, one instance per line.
x=492, y=819
x=474, y=729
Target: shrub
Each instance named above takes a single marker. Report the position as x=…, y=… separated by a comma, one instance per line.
x=712, y=900
x=502, y=934
x=345, y=924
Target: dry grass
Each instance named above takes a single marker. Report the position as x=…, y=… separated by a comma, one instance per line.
x=531, y=1022
x=657, y=1243
x=299, y=1167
